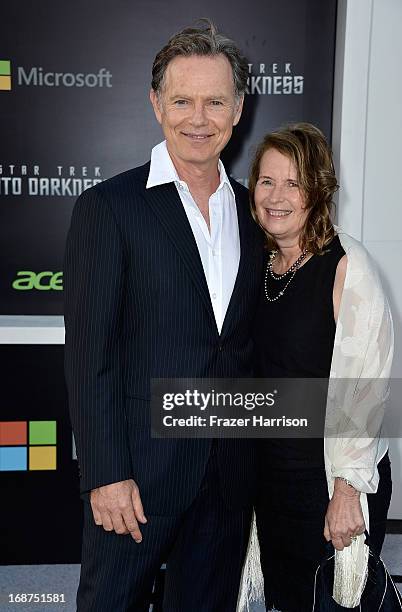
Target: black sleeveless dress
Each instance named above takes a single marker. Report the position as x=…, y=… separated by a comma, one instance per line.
x=294, y=337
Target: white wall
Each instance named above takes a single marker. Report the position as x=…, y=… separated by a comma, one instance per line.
x=367, y=141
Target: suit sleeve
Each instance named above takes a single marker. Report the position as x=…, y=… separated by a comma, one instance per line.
x=94, y=273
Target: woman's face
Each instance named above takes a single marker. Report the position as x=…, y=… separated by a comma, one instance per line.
x=279, y=200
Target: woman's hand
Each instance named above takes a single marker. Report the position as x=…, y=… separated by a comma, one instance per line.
x=344, y=518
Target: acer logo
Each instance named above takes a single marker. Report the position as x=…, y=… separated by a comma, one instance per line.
x=42, y=281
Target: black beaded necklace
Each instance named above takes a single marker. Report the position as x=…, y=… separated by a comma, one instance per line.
x=277, y=277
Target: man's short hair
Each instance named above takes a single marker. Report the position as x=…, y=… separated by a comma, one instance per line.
x=204, y=41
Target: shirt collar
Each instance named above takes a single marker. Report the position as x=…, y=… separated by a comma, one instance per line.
x=162, y=170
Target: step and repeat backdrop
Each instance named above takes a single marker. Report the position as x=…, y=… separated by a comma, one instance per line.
x=74, y=110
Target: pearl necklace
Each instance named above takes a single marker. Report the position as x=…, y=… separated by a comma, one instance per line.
x=292, y=270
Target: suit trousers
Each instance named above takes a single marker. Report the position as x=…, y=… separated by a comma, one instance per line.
x=203, y=548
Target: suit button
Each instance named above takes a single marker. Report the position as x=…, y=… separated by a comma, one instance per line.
x=220, y=347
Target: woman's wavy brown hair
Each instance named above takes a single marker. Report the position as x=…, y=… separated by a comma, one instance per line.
x=307, y=147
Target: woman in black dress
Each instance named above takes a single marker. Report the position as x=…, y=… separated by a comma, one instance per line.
x=292, y=184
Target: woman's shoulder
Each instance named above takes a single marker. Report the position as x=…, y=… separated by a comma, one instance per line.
x=357, y=255
x=334, y=248
x=362, y=275
x=329, y=258
x=349, y=243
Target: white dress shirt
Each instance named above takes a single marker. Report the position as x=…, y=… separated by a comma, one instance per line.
x=219, y=248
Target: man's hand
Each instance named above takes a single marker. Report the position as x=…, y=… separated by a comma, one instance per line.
x=118, y=507
x=344, y=518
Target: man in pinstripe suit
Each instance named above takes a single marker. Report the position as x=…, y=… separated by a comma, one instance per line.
x=162, y=270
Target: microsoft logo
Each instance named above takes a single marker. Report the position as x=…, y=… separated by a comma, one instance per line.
x=37, y=76
x=27, y=445
x=5, y=75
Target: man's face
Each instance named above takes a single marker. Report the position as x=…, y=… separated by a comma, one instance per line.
x=197, y=108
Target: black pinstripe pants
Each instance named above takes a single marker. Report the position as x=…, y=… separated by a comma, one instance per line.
x=204, y=549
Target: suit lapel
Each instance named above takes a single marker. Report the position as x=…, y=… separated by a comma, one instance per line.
x=246, y=249
x=167, y=206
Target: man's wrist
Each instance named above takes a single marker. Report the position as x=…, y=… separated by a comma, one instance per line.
x=343, y=485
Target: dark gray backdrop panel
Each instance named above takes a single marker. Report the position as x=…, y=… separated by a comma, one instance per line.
x=113, y=128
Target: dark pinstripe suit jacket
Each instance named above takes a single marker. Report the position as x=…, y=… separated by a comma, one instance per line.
x=137, y=306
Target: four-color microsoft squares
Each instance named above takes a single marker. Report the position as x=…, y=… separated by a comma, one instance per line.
x=5, y=75
x=27, y=445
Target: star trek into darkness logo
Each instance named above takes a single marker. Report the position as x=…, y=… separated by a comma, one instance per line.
x=22, y=179
x=273, y=79
x=268, y=77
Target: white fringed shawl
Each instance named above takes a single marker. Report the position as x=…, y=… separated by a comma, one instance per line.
x=363, y=350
